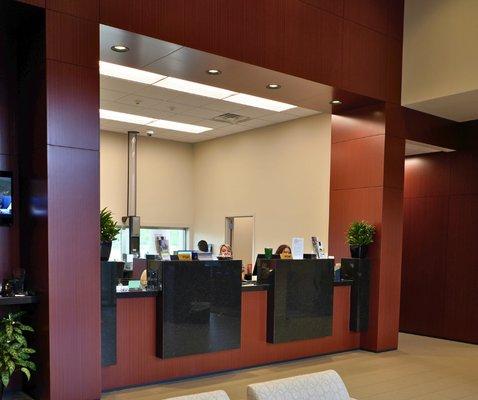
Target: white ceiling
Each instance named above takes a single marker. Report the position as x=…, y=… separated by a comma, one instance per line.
x=413, y=148
x=172, y=60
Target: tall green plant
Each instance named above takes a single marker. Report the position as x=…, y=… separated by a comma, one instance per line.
x=109, y=229
x=360, y=233
x=14, y=351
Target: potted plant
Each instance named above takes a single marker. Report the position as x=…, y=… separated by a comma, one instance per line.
x=14, y=351
x=359, y=237
x=108, y=231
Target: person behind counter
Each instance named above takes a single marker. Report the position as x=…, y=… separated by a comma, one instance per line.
x=284, y=251
x=225, y=252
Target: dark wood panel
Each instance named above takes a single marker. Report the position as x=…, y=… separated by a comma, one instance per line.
x=464, y=172
x=350, y=205
x=395, y=19
x=364, y=61
x=137, y=364
x=394, y=162
x=73, y=103
x=358, y=123
x=427, y=175
x=325, y=32
x=231, y=28
x=201, y=24
x=5, y=137
x=461, y=294
x=358, y=163
x=72, y=40
x=88, y=9
x=156, y=18
x=421, y=127
x=38, y=3
x=371, y=13
x=389, y=274
x=424, y=265
x=264, y=37
x=394, y=70
x=73, y=270
x=333, y=6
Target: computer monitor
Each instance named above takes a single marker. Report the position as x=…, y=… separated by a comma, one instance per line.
x=6, y=198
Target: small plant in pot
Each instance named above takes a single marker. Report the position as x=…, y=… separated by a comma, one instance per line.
x=109, y=229
x=359, y=237
x=14, y=351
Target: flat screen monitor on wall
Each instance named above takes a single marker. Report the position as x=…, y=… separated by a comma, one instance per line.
x=6, y=198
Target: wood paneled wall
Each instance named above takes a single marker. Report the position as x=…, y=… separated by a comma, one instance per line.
x=349, y=44
x=9, y=236
x=439, y=279
x=367, y=184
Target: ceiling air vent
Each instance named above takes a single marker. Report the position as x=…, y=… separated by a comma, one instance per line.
x=231, y=118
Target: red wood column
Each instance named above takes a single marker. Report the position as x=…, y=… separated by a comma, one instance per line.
x=367, y=183
x=72, y=142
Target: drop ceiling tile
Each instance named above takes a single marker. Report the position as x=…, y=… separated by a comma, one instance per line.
x=191, y=99
x=159, y=93
x=171, y=107
x=203, y=113
x=107, y=94
x=121, y=85
x=139, y=101
x=213, y=124
x=254, y=112
x=301, y=112
x=255, y=123
x=224, y=106
x=279, y=117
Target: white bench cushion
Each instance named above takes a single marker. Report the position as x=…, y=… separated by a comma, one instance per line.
x=325, y=385
x=216, y=395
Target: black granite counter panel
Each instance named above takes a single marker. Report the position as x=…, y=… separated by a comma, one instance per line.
x=300, y=299
x=199, y=310
x=137, y=294
x=254, y=287
x=344, y=282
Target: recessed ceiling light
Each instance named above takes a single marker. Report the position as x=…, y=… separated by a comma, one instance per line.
x=273, y=86
x=199, y=89
x=214, y=71
x=120, y=48
x=130, y=74
x=157, y=123
x=123, y=117
x=179, y=126
x=335, y=102
x=259, y=102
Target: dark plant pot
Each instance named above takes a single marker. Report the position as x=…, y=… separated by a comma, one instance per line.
x=358, y=251
x=105, y=251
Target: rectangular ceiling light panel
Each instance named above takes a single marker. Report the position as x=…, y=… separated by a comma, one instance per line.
x=130, y=74
x=123, y=117
x=179, y=126
x=157, y=123
x=259, y=102
x=198, y=89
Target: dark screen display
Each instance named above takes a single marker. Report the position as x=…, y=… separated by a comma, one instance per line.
x=6, y=198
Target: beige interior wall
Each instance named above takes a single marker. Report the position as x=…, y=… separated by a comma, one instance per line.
x=280, y=174
x=439, y=49
x=165, y=179
x=113, y=173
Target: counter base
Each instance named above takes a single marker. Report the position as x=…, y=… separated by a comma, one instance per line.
x=136, y=341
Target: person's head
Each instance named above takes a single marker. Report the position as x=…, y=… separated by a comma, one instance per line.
x=225, y=250
x=284, y=249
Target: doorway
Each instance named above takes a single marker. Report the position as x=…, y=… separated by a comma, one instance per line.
x=240, y=235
